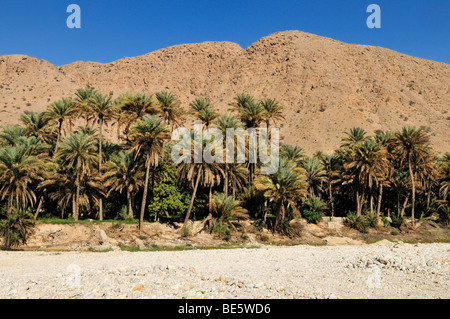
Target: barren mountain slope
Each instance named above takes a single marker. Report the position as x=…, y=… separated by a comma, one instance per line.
x=325, y=85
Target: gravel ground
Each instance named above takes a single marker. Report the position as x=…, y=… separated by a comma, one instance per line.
x=369, y=271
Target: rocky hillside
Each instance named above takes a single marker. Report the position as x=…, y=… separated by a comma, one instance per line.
x=326, y=86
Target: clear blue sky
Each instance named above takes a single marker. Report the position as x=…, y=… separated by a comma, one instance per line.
x=112, y=29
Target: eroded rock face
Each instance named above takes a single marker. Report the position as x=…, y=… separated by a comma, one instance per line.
x=326, y=86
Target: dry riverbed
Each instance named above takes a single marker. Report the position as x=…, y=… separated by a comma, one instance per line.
x=382, y=270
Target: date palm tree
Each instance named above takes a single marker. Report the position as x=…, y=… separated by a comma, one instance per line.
x=99, y=109
x=11, y=134
x=170, y=108
x=79, y=152
x=198, y=172
x=273, y=111
x=444, y=176
x=331, y=166
x=147, y=136
x=135, y=106
x=227, y=208
x=18, y=169
x=366, y=164
x=287, y=186
x=315, y=176
x=251, y=113
x=293, y=153
x=411, y=147
x=59, y=112
x=353, y=136
x=124, y=172
x=226, y=122
x=36, y=125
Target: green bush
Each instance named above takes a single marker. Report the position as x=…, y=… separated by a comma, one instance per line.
x=311, y=217
x=444, y=215
x=397, y=221
x=359, y=223
x=16, y=228
x=222, y=230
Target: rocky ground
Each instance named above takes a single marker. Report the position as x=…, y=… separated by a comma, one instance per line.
x=381, y=270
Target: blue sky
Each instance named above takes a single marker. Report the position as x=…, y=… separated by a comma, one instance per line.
x=112, y=29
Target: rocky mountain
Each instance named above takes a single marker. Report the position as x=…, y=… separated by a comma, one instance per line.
x=325, y=86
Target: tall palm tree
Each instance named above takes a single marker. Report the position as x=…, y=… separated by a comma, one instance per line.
x=208, y=174
x=251, y=113
x=18, y=169
x=353, y=136
x=201, y=109
x=411, y=147
x=444, y=176
x=273, y=111
x=124, y=173
x=315, y=176
x=36, y=124
x=226, y=122
x=79, y=152
x=366, y=163
x=99, y=110
x=331, y=166
x=147, y=136
x=11, y=134
x=58, y=112
x=170, y=107
x=286, y=186
x=293, y=153
x=135, y=106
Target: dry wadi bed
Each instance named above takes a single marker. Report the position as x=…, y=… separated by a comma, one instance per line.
x=336, y=266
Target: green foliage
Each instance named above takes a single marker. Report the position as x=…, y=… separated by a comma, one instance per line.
x=168, y=198
x=311, y=217
x=397, y=221
x=359, y=223
x=16, y=228
x=222, y=230
x=283, y=227
x=444, y=215
x=385, y=221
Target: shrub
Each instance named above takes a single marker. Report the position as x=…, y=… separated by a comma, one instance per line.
x=397, y=221
x=357, y=222
x=385, y=221
x=311, y=217
x=444, y=215
x=16, y=229
x=222, y=230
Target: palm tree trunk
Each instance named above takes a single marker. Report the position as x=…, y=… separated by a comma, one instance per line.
x=38, y=208
x=130, y=204
x=404, y=206
x=225, y=186
x=371, y=202
x=379, y=203
x=413, y=184
x=210, y=199
x=278, y=217
x=100, y=202
x=59, y=134
x=331, y=200
x=77, y=199
x=144, y=196
x=192, y=200
x=10, y=203
x=358, y=206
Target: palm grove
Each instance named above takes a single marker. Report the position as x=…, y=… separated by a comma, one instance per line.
x=51, y=167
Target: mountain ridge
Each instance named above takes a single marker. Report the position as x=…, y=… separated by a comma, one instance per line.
x=325, y=85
